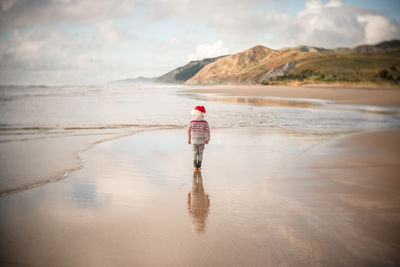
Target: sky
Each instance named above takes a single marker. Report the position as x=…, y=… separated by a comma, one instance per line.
x=61, y=42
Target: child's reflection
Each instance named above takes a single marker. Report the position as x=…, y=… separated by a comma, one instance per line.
x=198, y=204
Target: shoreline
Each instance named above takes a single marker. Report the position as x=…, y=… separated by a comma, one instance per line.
x=389, y=99
x=376, y=96
x=316, y=205
x=64, y=174
x=74, y=161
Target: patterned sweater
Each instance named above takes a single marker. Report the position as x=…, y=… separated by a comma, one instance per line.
x=198, y=131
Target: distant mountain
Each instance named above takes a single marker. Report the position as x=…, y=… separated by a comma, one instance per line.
x=305, y=48
x=305, y=64
x=182, y=74
x=378, y=47
x=140, y=79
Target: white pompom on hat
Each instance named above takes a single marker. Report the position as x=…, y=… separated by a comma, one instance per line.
x=199, y=111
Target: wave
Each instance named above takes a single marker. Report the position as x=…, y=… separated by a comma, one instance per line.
x=22, y=134
x=94, y=127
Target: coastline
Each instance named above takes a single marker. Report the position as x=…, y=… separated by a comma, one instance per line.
x=377, y=96
x=280, y=198
x=51, y=161
x=305, y=201
x=60, y=161
x=37, y=161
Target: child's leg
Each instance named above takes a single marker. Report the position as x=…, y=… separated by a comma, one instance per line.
x=195, y=155
x=200, y=154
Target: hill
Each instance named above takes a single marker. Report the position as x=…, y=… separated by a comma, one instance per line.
x=243, y=67
x=378, y=47
x=140, y=79
x=182, y=74
x=303, y=64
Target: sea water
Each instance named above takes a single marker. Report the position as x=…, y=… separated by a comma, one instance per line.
x=44, y=128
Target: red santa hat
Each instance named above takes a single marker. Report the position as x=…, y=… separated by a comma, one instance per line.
x=199, y=111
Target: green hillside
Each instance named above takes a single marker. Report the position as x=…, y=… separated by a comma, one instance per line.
x=375, y=67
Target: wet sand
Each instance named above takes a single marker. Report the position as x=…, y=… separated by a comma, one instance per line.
x=263, y=198
x=348, y=191
x=384, y=96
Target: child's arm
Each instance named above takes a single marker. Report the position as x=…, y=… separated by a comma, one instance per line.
x=189, y=132
x=207, y=131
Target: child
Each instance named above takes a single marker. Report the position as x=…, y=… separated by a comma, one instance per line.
x=198, y=135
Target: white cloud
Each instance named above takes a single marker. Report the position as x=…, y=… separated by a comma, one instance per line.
x=314, y=5
x=107, y=33
x=209, y=50
x=378, y=28
x=328, y=25
x=175, y=43
x=334, y=3
x=334, y=24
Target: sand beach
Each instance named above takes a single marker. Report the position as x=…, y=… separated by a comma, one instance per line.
x=268, y=194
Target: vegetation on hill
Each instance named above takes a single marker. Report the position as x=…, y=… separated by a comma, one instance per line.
x=376, y=67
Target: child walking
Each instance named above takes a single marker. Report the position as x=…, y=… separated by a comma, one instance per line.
x=198, y=135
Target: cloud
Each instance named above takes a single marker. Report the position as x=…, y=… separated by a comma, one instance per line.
x=63, y=40
x=334, y=3
x=209, y=50
x=7, y=4
x=50, y=15
x=175, y=43
x=107, y=33
x=378, y=28
x=22, y=13
x=206, y=9
x=38, y=40
x=230, y=17
x=328, y=24
x=51, y=57
x=35, y=50
x=334, y=24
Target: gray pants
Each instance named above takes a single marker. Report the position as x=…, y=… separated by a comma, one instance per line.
x=197, y=155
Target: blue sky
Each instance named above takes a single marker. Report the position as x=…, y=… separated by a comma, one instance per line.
x=86, y=42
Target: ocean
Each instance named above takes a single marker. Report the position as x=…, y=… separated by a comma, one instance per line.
x=43, y=129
